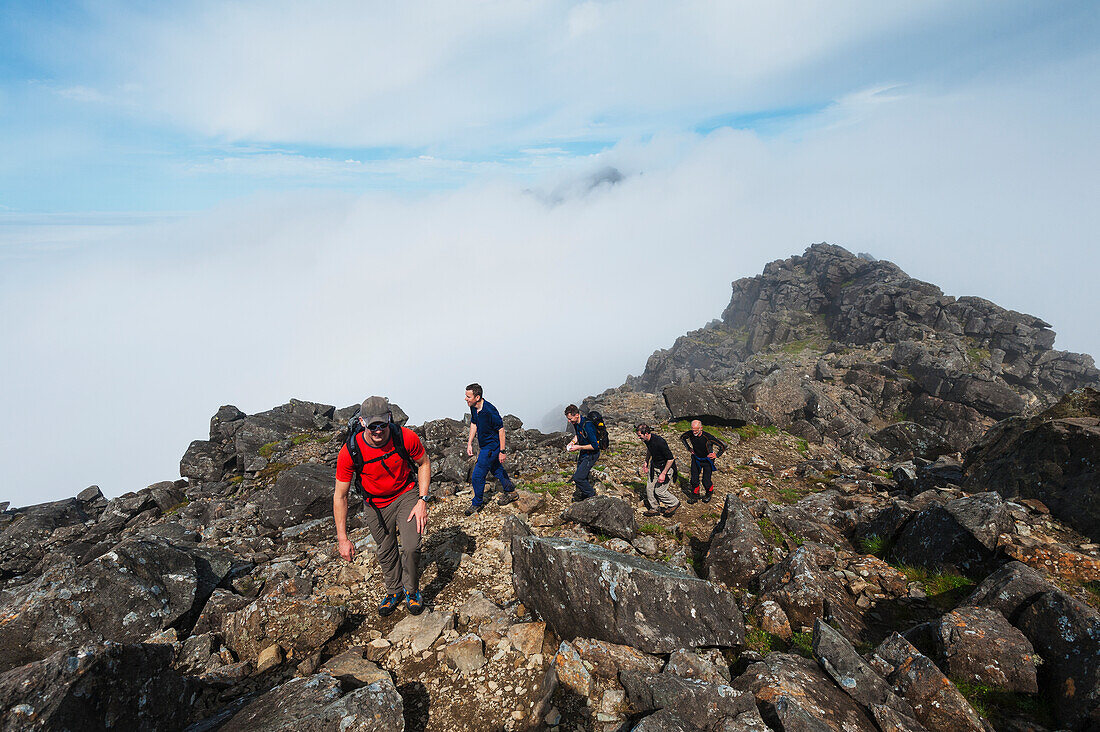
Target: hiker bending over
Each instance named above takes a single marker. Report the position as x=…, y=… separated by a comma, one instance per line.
x=587, y=444
x=704, y=449
x=387, y=462
x=485, y=422
x=660, y=466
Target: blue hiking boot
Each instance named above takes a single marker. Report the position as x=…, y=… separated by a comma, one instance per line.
x=390, y=602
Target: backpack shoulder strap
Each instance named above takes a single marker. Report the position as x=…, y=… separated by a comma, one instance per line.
x=398, y=435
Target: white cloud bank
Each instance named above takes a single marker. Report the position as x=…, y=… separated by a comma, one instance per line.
x=116, y=355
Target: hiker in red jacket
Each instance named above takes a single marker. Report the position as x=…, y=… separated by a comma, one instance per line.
x=381, y=457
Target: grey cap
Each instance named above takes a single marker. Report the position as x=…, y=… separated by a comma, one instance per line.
x=376, y=409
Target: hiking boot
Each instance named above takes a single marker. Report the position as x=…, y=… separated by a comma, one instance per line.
x=508, y=497
x=415, y=603
x=706, y=498
x=669, y=511
x=471, y=510
x=390, y=602
x=577, y=498
x=651, y=512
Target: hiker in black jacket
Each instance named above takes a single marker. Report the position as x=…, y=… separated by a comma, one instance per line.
x=704, y=448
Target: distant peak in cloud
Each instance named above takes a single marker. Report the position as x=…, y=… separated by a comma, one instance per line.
x=580, y=186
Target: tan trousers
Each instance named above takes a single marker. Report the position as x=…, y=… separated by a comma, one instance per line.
x=389, y=527
x=659, y=494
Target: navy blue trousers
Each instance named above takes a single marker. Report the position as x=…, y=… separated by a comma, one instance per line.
x=488, y=461
x=585, y=462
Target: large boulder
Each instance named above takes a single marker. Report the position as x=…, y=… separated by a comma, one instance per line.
x=585, y=590
x=961, y=534
x=781, y=677
x=604, y=515
x=720, y=405
x=138, y=588
x=1053, y=457
x=1009, y=589
x=300, y=624
x=317, y=704
x=738, y=552
x=1066, y=634
x=977, y=644
x=206, y=462
x=300, y=493
x=108, y=686
x=936, y=701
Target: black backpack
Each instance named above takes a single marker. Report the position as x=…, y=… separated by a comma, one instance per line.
x=596, y=419
x=398, y=440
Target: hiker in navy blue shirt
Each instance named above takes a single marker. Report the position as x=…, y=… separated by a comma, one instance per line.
x=485, y=422
x=587, y=444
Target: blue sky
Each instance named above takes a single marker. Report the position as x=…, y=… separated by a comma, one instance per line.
x=189, y=191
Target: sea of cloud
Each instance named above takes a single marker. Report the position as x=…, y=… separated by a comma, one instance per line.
x=120, y=350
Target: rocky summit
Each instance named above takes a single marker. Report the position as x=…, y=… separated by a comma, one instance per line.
x=902, y=536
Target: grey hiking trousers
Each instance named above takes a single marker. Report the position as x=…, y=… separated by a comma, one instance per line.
x=389, y=528
x=657, y=495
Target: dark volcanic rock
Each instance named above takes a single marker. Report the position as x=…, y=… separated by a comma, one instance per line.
x=781, y=676
x=1054, y=457
x=1009, y=589
x=585, y=590
x=806, y=592
x=300, y=493
x=935, y=700
x=315, y=704
x=977, y=644
x=1066, y=634
x=738, y=552
x=138, y=588
x=716, y=405
x=605, y=515
x=907, y=440
x=852, y=674
x=205, y=462
x=108, y=686
x=685, y=703
x=23, y=539
x=961, y=533
x=298, y=624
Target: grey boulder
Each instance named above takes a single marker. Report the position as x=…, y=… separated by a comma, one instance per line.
x=588, y=591
x=605, y=515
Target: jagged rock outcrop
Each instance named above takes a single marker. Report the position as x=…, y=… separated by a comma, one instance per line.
x=1053, y=457
x=837, y=348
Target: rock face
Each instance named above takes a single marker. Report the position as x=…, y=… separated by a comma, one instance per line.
x=1053, y=457
x=109, y=686
x=934, y=699
x=604, y=515
x=781, y=677
x=136, y=589
x=300, y=493
x=299, y=624
x=585, y=590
